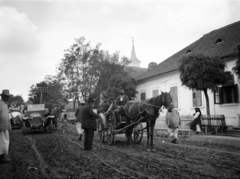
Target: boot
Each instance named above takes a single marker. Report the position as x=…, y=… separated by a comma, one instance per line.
x=80, y=137
x=174, y=141
x=4, y=159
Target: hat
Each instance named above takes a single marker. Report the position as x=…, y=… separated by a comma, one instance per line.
x=121, y=91
x=91, y=99
x=6, y=93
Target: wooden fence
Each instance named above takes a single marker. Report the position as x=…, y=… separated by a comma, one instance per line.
x=216, y=122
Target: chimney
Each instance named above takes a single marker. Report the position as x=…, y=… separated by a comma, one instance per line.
x=151, y=65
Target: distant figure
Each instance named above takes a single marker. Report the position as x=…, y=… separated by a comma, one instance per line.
x=5, y=126
x=173, y=121
x=196, y=124
x=89, y=123
x=64, y=122
x=78, y=115
x=46, y=113
x=55, y=113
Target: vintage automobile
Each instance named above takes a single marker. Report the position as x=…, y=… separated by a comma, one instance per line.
x=33, y=119
x=15, y=116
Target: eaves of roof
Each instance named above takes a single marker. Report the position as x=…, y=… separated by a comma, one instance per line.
x=208, y=45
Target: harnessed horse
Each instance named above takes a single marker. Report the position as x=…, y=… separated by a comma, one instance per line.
x=146, y=111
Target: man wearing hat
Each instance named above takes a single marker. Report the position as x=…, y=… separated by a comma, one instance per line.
x=78, y=115
x=5, y=126
x=55, y=113
x=121, y=101
x=89, y=123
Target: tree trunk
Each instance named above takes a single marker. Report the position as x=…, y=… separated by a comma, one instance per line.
x=207, y=102
x=74, y=102
x=78, y=101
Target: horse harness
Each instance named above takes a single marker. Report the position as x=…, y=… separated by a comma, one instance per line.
x=140, y=105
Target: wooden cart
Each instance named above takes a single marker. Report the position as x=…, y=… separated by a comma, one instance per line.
x=108, y=127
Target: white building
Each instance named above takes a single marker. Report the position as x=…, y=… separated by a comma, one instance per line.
x=223, y=43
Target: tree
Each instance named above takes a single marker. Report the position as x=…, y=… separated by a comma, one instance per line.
x=54, y=94
x=202, y=73
x=86, y=71
x=75, y=70
x=110, y=65
x=16, y=100
x=121, y=81
x=236, y=68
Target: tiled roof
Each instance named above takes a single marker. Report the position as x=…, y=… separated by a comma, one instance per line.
x=135, y=71
x=222, y=42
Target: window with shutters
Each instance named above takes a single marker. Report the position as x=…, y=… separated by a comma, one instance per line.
x=197, y=98
x=155, y=93
x=228, y=93
x=174, y=94
x=142, y=96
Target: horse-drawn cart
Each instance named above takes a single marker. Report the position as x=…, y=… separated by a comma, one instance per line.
x=135, y=113
x=108, y=127
x=33, y=119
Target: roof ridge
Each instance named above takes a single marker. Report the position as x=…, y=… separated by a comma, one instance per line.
x=222, y=28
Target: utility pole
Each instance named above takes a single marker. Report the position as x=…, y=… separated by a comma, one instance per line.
x=42, y=88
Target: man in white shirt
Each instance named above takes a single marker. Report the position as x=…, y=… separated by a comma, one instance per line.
x=5, y=126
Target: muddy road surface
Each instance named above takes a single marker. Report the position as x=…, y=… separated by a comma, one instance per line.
x=61, y=155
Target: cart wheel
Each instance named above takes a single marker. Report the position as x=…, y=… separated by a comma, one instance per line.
x=50, y=128
x=24, y=129
x=137, y=133
x=110, y=135
x=100, y=131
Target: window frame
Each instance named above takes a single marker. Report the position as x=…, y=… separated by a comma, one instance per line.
x=155, y=90
x=223, y=96
x=173, y=99
x=141, y=96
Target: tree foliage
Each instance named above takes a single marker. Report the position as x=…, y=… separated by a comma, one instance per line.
x=86, y=71
x=236, y=68
x=121, y=81
x=202, y=73
x=16, y=100
x=74, y=69
x=54, y=95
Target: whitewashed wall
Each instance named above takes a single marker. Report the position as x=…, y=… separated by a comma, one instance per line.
x=185, y=106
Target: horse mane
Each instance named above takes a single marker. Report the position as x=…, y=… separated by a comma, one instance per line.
x=154, y=100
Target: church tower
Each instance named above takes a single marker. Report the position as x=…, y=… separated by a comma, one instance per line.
x=134, y=62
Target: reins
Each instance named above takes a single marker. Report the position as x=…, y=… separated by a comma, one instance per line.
x=151, y=105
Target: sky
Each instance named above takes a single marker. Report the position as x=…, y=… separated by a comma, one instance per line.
x=34, y=34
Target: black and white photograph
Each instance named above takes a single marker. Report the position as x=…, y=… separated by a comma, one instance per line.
x=119, y=89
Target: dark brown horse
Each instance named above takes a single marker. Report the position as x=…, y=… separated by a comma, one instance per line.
x=146, y=111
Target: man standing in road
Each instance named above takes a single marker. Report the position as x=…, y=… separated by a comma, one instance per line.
x=78, y=115
x=55, y=113
x=89, y=123
x=5, y=126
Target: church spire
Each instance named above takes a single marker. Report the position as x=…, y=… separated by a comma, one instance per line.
x=134, y=60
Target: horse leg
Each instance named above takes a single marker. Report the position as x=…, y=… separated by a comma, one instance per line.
x=152, y=133
x=128, y=132
x=148, y=135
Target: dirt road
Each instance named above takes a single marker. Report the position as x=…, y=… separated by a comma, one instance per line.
x=61, y=155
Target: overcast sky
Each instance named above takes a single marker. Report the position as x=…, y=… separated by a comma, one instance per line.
x=34, y=34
